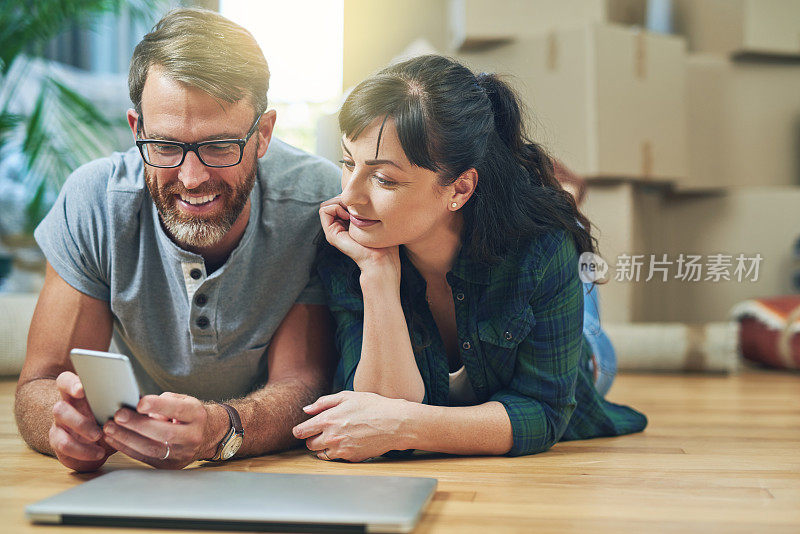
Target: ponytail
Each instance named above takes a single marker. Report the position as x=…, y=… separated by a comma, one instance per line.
x=539, y=169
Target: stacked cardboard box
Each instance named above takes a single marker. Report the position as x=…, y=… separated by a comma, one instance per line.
x=610, y=98
x=477, y=24
x=743, y=123
x=688, y=248
x=740, y=27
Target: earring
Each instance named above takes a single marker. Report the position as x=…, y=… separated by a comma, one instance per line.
x=454, y=205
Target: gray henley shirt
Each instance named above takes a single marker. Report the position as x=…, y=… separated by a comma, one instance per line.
x=186, y=331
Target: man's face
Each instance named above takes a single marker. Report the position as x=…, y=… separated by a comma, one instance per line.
x=197, y=204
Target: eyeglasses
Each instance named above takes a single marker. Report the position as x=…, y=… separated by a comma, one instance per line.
x=170, y=154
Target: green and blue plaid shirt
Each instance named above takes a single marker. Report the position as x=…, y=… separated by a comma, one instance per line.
x=519, y=324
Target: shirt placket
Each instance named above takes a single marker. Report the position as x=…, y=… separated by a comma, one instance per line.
x=202, y=309
x=467, y=336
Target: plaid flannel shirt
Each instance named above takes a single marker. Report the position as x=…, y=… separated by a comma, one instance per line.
x=519, y=325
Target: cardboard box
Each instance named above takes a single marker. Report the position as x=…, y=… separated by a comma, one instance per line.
x=750, y=221
x=610, y=99
x=627, y=219
x=483, y=23
x=645, y=223
x=743, y=123
x=740, y=27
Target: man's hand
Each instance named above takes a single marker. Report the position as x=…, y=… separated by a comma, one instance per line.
x=167, y=431
x=354, y=426
x=74, y=435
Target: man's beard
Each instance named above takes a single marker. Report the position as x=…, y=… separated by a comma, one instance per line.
x=193, y=231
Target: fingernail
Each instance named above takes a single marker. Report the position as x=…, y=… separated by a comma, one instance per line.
x=306, y=408
x=110, y=429
x=144, y=407
x=98, y=455
x=96, y=434
x=122, y=416
x=296, y=432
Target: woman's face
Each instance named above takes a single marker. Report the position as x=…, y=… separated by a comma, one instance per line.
x=390, y=201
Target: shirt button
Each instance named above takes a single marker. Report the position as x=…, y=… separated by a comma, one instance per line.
x=466, y=345
x=200, y=299
x=196, y=274
x=508, y=336
x=202, y=321
x=459, y=296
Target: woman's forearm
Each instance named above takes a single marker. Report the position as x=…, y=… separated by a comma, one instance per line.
x=467, y=430
x=387, y=365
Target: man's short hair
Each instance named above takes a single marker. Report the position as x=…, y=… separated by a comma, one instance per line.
x=202, y=49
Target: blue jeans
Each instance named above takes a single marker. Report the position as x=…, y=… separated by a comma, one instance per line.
x=605, y=359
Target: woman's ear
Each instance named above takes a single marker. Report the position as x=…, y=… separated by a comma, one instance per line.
x=462, y=189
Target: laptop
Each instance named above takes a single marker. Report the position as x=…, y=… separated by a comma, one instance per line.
x=233, y=500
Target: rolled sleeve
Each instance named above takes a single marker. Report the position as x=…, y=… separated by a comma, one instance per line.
x=540, y=397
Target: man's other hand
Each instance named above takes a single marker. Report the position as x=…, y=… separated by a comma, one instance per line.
x=74, y=435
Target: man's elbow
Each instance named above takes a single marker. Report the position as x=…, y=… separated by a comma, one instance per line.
x=33, y=427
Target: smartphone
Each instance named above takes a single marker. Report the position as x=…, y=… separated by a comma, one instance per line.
x=108, y=381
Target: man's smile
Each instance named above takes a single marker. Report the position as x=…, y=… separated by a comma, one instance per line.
x=198, y=200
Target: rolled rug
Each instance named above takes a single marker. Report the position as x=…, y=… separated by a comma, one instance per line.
x=770, y=330
x=709, y=348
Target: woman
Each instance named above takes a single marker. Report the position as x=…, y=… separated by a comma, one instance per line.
x=453, y=278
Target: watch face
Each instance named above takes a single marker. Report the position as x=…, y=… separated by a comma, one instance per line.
x=231, y=447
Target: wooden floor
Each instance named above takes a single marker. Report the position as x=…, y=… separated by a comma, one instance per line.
x=721, y=454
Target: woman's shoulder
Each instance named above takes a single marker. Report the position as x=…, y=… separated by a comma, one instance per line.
x=540, y=253
x=536, y=265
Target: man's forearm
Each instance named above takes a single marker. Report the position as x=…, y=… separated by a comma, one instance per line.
x=268, y=416
x=33, y=410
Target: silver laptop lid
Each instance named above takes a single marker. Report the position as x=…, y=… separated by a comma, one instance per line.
x=235, y=500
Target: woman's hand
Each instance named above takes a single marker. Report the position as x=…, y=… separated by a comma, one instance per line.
x=354, y=426
x=335, y=220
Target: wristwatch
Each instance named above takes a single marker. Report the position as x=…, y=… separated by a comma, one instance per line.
x=233, y=439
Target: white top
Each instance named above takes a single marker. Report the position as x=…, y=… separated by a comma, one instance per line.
x=461, y=392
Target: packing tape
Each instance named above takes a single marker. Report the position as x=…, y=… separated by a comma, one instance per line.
x=647, y=159
x=552, y=51
x=640, y=66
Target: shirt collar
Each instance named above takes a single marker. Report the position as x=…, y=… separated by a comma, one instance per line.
x=470, y=270
x=464, y=268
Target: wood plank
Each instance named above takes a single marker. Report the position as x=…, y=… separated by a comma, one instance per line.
x=721, y=454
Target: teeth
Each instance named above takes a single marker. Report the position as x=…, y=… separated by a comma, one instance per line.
x=198, y=200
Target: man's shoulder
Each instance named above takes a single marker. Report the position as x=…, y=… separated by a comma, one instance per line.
x=289, y=173
x=119, y=172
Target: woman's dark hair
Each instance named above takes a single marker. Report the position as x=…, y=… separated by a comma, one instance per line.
x=449, y=120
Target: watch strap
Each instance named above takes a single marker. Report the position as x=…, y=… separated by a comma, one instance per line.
x=235, y=429
x=233, y=415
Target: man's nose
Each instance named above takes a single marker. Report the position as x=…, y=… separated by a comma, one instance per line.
x=192, y=172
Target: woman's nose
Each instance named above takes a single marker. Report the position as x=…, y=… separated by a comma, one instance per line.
x=353, y=190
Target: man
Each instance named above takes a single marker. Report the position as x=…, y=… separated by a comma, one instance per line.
x=194, y=251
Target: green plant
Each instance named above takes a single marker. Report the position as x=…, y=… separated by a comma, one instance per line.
x=64, y=129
